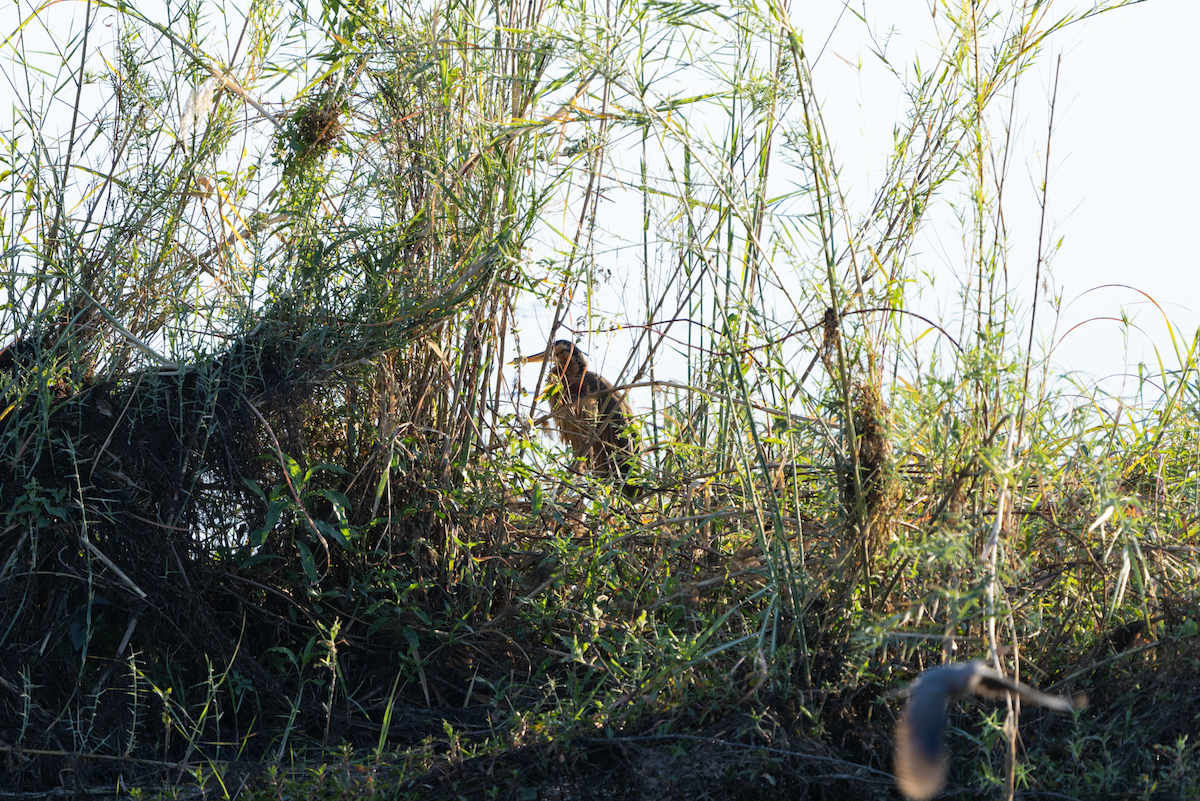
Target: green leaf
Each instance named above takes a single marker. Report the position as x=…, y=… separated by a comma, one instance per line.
x=306, y=559
x=336, y=534
x=535, y=502
x=330, y=466
x=274, y=511
x=253, y=486
x=293, y=471
x=414, y=642
x=336, y=498
x=256, y=559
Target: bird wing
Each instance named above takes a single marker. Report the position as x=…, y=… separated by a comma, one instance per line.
x=921, y=763
x=992, y=684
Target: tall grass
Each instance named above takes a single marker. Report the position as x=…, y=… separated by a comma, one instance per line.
x=273, y=486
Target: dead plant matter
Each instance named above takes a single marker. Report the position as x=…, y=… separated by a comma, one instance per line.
x=869, y=498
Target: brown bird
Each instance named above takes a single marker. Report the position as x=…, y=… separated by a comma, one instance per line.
x=591, y=416
x=921, y=762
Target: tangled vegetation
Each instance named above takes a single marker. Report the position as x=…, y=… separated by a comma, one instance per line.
x=277, y=523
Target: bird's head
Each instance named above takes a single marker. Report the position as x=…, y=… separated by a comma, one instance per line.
x=562, y=351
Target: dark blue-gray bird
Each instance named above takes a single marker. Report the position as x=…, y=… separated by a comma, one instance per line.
x=921, y=762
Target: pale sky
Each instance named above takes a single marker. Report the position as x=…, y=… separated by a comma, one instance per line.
x=1125, y=186
x=1123, y=161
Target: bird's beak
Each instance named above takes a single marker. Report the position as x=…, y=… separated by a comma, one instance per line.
x=534, y=359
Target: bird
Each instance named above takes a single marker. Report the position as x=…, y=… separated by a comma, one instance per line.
x=920, y=753
x=591, y=416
